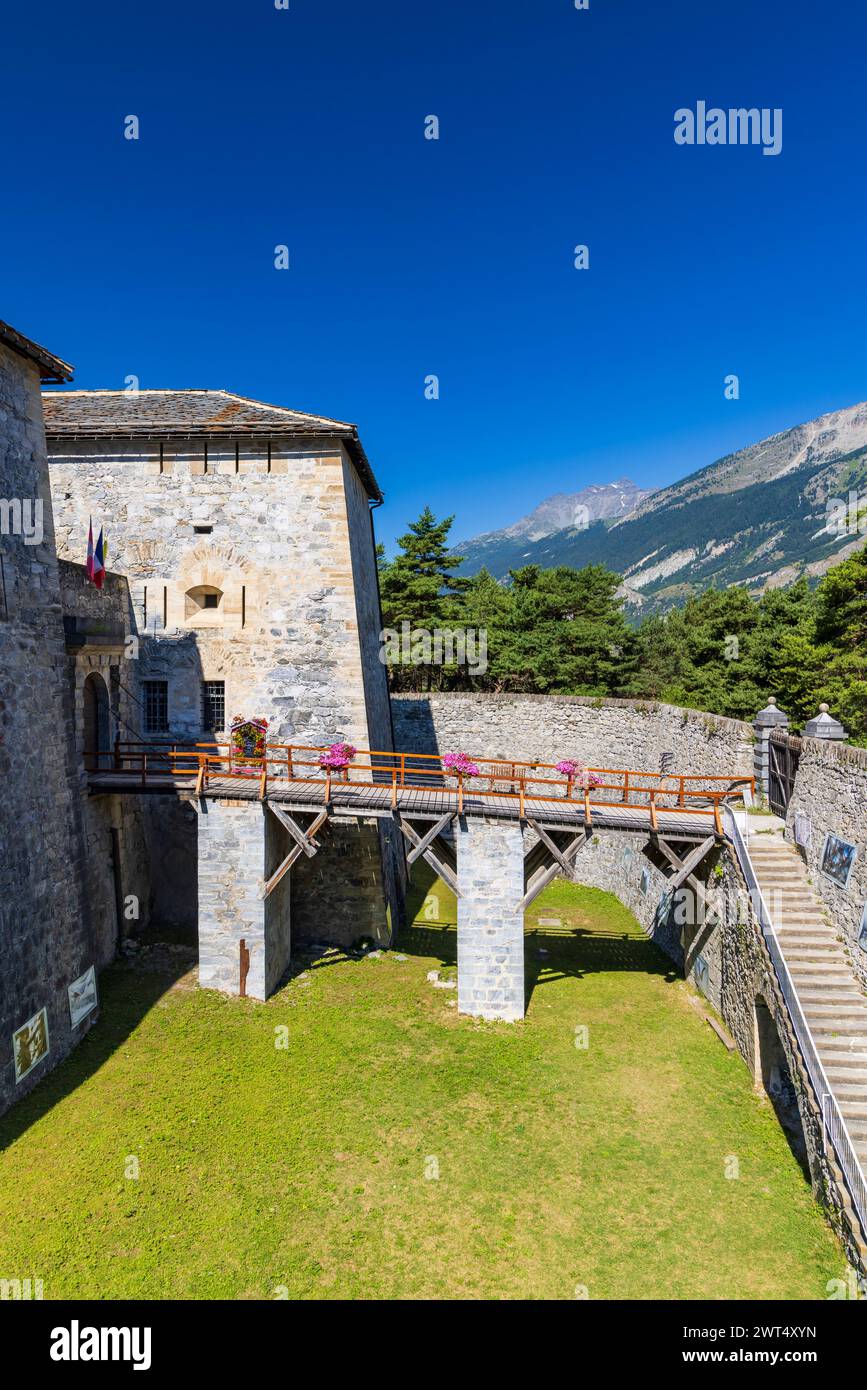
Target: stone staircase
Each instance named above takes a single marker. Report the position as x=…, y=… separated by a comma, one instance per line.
x=832, y=999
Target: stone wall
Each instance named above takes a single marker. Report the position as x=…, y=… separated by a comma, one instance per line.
x=352, y=888
x=831, y=790
x=598, y=733
x=46, y=932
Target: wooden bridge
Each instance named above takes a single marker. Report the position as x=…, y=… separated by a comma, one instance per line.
x=425, y=797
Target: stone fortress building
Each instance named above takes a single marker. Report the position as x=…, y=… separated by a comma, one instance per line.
x=241, y=578
x=244, y=532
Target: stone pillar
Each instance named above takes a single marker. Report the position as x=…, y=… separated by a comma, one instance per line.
x=490, y=924
x=767, y=719
x=825, y=726
x=239, y=842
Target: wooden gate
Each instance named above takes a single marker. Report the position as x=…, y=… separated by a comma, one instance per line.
x=784, y=751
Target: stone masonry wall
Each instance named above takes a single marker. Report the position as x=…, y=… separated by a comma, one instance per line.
x=285, y=637
x=490, y=923
x=46, y=937
x=598, y=733
x=831, y=789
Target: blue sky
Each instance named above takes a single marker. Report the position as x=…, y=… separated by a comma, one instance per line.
x=409, y=257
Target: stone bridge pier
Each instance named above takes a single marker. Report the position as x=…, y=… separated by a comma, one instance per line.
x=239, y=845
x=490, y=857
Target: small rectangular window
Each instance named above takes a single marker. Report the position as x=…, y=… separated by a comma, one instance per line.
x=213, y=705
x=203, y=530
x=156, y=706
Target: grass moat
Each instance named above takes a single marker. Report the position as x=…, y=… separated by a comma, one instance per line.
x=355, y=1138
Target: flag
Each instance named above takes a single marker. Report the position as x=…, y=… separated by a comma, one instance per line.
x=88, y=567
x=98, y=562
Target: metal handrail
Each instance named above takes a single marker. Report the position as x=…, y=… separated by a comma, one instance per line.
x=834, y=1126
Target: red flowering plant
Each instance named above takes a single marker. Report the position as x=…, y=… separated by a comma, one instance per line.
x=460, y=765
x=337, y=758
x=247, y=744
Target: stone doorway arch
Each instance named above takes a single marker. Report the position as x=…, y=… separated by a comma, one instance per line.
x=97, y=723
x=773, y=1076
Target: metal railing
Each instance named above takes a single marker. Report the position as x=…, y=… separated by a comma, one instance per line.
x=689, y=794
x=834, y=1128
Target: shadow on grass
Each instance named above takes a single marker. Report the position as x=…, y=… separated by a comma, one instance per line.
x=551, y=953
x=122, y=1009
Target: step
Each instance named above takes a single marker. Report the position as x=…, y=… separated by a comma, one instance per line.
x=854, y=1110
x=824, y=951
x=830, y=1033
x=798, y=937
x=828, y=993
x=840, y=1055
x=850, y=1093
x=840, y=1075
x=823, y=968
x=842, y=1014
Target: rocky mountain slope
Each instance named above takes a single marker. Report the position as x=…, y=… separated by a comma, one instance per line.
x=758, y=517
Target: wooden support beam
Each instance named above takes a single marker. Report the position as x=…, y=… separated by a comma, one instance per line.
x=685, y=866
x=433, y=834
x=436, y=860
x=543, y=876
x=553, y=850
x=297, y=849
x=679, y=878
x=302, y=837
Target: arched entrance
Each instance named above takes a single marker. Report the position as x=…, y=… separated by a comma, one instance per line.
x=773, y=1076
x=96, y=723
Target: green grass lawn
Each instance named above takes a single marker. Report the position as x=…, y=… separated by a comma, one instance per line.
x=313, y=1166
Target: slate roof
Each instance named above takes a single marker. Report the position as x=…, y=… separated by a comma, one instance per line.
x=51, y=368
x=165, y=414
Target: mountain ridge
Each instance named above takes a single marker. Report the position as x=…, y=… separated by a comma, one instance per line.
x=758, y=516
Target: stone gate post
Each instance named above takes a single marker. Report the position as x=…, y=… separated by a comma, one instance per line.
x=767, y=719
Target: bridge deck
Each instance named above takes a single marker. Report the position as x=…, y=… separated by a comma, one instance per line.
x=425, y=803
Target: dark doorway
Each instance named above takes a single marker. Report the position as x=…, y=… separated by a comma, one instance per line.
x=773, y=1075
x=97, y=752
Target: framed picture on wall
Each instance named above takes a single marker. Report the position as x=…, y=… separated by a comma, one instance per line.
x=862, y=933
x=82, y=996
x=838, y=857
x=30, y=1044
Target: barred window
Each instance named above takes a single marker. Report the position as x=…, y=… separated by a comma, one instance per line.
x=156, y=706
x=213, y=705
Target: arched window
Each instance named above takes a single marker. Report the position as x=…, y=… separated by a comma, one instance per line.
x=97, y=732
x=202, y=604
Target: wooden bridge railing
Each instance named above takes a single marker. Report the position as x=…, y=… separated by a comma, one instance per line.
x=688, y=793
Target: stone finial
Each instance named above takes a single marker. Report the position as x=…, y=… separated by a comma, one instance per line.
x=771, y=716
x=824, y=725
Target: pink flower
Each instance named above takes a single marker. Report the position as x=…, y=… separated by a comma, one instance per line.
x=460, y=765
x=338, y=757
